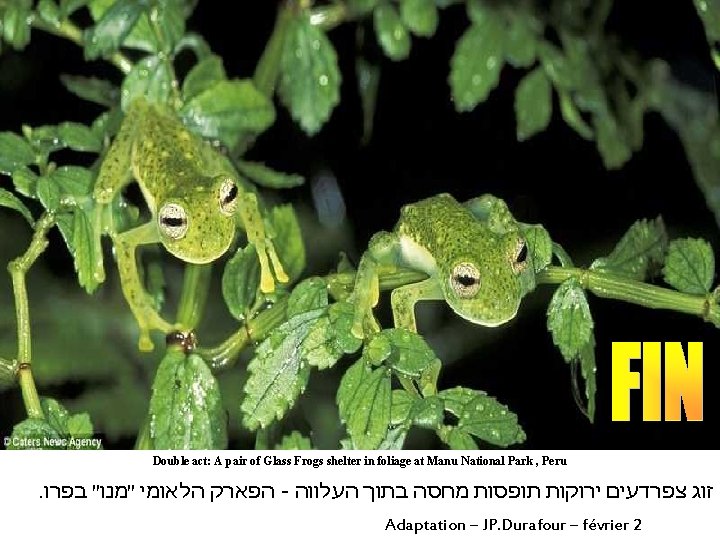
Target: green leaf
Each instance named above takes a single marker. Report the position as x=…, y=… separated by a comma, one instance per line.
x=378, y=350
x=79, y=137
x=639, y=252
x=113, y=27
x=394, y=438
x=25, y=182
x=49, y=193
x=227, y=110
x=108, y=123
x=150, y=77
x=588, y=370
x=241, y=282
x=186, y=411
x=75, y=181
x=55, y=414
x=709, y=11
x=569, y=319
x=49, y=11
x=43, y=139
x=458, y=439
x=539, y=245
x=477, y=61
x=611, y=141
x=364, y=402
x=690, y=265
x=32, y=434
x=428, y=412
x=8, y=200
x=77, y=426
x=170, y=23
x=91, y=89
x=319, y=347
x=308, y=295
x=572, y=116
x=420, y=16
x=533, y=104
x=278, y=373
x=202, y=76
x=83, y=251
x=80, y=426
x=483, y=416
x=15, y=152
x=521, y=41
x=402, y=405
x=15, y=24
x=391, y=34
x=330, y=338
x=288, y=240
x=294, y=441
x=341, y=316
x=309, y=83
x=411, y=355
x=267, y=177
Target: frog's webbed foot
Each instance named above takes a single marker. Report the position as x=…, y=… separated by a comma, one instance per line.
x=382, y=249
x=140, y=302
x=254, y=226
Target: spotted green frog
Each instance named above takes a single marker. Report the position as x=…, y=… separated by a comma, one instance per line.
x=474, y=254
x=196, y=201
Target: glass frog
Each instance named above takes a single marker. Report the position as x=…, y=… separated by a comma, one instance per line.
x=474, y=254
x=196, y=201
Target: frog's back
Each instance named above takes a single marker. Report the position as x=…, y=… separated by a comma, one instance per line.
x=440, y=224
x=165, y=152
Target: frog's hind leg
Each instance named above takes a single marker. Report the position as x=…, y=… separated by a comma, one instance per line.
x=254, y=226
x=384, y=249
x=137, y=297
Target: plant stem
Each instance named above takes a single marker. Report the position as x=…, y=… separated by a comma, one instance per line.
x=196, y=283
x=70, y=31
x=613, y=286
x=18, y=268
x=225, y=355
x=268, y=68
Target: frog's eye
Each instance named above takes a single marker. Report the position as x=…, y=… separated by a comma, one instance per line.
x=521, y=255
x=228, y=197
x=173, y=221
x=465, y=280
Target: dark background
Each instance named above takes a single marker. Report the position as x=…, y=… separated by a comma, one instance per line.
x=420, y=147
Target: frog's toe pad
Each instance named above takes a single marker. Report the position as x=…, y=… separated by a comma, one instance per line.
x=145, y=344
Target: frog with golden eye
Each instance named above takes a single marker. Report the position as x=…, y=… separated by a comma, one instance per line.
x=196, y=200
x=474, y=254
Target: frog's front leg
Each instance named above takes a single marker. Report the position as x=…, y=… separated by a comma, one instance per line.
x=403, y=300
x=384, y=249
x=254, y=226
x=137, y=297
x=114, y=174
x=493, y=211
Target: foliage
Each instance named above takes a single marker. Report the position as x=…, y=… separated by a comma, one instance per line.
x=389, y=382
